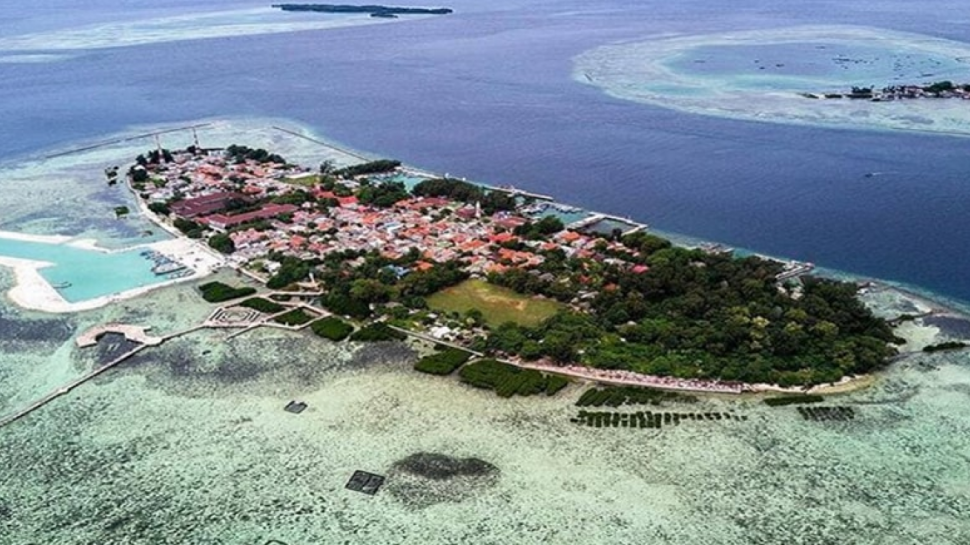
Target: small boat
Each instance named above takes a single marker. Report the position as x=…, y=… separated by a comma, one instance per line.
x=62, y=285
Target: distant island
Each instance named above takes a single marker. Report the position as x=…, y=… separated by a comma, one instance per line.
x=940, y=89
x=373, y=10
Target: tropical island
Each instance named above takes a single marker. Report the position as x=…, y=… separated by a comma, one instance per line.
x=489, y=271
x=373, y=10
x=939, y=89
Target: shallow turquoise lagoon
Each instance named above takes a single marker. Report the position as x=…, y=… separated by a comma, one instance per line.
x=782, y=65
x=84, y=273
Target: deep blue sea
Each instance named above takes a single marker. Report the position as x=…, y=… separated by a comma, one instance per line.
x=486, y=93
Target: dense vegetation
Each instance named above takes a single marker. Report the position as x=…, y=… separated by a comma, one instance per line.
x=372, y=167
x=222, y=243
x=949, y=345
x=623, y=395
x=295, y=317
x=382, y=195
x=217, y=292
x=291, y=270
x=695, y=315
x=458, y=190
x=442, y=363
x=239, y=154
x=508, y=380
x=262, y=305
x=332, y=328
x=376, y=332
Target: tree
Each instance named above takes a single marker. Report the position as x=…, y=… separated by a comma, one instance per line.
x=222, y=243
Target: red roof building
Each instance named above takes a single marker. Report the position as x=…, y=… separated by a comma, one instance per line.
x=204, y=205
x=221, y=222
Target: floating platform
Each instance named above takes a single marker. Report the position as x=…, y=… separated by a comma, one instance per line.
x=647, y=419
x=368, y=483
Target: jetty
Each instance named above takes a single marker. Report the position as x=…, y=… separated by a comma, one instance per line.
x=322, y=143
x=125, y=139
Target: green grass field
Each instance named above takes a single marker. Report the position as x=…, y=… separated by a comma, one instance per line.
x=497, y=304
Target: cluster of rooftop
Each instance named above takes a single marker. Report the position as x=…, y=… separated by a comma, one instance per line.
x=940, y=89
x=270, y=210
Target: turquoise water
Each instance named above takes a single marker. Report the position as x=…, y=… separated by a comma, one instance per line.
x=89, y=273
x=782, y=65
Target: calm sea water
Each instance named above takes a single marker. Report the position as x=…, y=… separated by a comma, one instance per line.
x=486, y=93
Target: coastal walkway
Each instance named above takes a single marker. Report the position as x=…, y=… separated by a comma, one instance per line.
x=67, y=388
x=430, y=339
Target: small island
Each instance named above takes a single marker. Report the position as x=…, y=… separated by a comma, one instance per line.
x=389, y=12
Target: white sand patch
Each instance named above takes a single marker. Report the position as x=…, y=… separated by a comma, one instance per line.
x=918, y=335
x=643, y=72
x=33, y=58
x=26, y=237
x=221, y=24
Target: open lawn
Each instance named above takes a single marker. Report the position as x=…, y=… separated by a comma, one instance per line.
x=497, y=304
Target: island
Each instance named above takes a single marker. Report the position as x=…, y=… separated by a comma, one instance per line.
x=940, y=89
x=373, y=10
x=496, y=273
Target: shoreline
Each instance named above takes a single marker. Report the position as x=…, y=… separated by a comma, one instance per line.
x=33, y=292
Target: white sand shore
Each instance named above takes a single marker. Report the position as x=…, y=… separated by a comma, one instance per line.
x=45, y=239
x=32, y=291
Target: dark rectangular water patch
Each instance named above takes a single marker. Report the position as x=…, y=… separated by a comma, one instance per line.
x=827, y=414
x=649, y=419
x=295, y=407
x=368, y=483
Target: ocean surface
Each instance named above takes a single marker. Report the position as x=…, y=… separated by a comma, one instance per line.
x=189, y=443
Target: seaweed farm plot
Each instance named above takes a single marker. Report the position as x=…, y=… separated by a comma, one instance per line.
x=649, y=419
x=827, y=414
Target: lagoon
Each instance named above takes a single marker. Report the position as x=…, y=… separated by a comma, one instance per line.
x=85, y=272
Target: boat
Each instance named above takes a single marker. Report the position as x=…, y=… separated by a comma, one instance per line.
x=62, y=285
x=165, y=268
